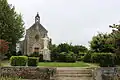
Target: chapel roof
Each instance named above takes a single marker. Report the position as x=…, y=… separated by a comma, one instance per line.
x=37, y=23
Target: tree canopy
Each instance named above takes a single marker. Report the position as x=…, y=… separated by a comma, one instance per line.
x=11, y=23
x=104, y=42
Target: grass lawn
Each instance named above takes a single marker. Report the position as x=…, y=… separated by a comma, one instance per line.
x=63, y=64
x=57, y=64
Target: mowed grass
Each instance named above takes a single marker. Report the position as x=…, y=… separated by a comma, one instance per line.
x=63, y=64
x=57, y=64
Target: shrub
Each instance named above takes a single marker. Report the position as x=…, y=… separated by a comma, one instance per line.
x=54, y=56
x=87, y=57
x=70, y=57
x=18, y=60
x=117, y=59
x=81, y=54
x=62, y=57
x=41, y=58
x=10, y=78
x=33, y=61
x=80, y=58
x=104, y=59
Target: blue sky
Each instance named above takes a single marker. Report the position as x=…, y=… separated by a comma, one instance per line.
x=75, y=21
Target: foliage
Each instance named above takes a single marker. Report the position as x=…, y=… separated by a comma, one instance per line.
x=41, y=58
x=11, y=24
x=117, y=59
x=54, y=52
x=70, y=57
x=116, y=37
x=64, y=47
x=32, y=61
x=18, y=60
x=104, y=59
x=3, y=46
x=87, y=57
x=66, y=57
x=62, y=57
x=9, y=78
x=102, y=43
x=36, y=54
x=60, y=51
x=80, y=58
x=79, y=48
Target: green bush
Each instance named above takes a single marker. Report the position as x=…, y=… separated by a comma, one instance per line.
x=104, y=59
x=41, y=58
x=81, y=54
x=70, y=57
x=117, y=59
x=87, y=57
x=10, y=78
x=18, y=60
x=33, y=61
x=61, y=57
x=80, y=58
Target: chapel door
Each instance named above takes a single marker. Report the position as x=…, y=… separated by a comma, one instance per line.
x=36, y=49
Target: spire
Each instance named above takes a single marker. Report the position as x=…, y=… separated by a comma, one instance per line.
x=37, y=18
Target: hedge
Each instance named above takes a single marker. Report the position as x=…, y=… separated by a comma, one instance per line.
x=104, y=59
x=18, y=60
x=33, y=61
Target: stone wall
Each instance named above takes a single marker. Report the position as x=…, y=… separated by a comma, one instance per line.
x=107, y=73
x=28, y=72
x=42, y=73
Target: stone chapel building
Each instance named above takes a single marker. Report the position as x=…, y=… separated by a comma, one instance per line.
x=35, y=39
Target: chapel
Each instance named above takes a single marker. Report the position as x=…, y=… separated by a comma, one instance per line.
x=36, y=40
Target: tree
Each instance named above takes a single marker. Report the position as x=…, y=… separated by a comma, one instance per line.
x=64, y=47
x=79, y=48
x=102, y=43
x=116, y=37
x=11, y=24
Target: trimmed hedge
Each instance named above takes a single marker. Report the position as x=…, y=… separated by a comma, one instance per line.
x=18, y=60
x=33, y=61
x=104, y=59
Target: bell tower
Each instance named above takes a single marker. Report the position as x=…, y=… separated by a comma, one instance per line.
x=37, y=18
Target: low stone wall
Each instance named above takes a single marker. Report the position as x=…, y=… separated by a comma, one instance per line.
x=107, y=73
x=42, y=73
x=29, y=72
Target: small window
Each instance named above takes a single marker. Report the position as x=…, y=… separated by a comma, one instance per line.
x=37, y=37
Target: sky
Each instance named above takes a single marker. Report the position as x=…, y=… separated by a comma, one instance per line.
x=72, y=21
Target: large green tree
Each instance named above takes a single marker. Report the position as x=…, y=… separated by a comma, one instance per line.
x=116, y=37
x=11, y=24
x=102, y=43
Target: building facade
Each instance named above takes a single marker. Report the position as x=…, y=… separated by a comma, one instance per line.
x=35, y=38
